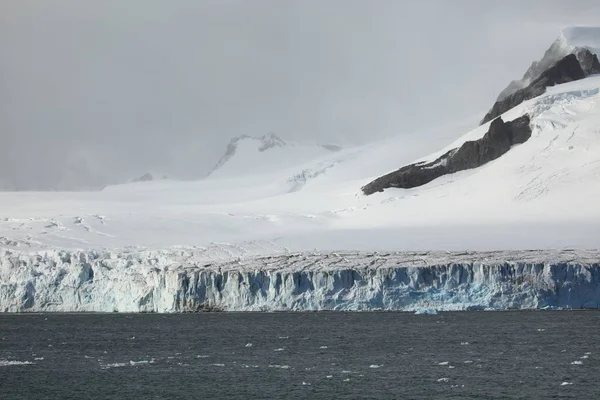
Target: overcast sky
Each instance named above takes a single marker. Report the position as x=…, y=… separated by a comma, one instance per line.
x=102, y=90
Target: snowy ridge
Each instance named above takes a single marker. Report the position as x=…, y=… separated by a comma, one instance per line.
x=247, y=155
x=178, y=281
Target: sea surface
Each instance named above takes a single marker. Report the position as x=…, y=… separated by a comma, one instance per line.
x=321, y=355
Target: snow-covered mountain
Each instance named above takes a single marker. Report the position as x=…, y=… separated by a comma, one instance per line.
x=267, y=200
x=572, y=40
x=251, y=155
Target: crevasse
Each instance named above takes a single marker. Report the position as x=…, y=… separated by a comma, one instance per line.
x=179, y=281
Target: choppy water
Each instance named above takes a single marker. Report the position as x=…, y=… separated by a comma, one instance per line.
x=476, y=355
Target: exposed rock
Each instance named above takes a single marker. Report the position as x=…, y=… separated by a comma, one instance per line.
x=269, y=141
x=472, y=154
x=588, y=61
x=565, y=70
x=144, y=178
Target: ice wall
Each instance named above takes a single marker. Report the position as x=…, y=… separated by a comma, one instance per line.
x=181, y=281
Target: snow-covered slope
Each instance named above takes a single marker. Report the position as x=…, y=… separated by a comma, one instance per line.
x=571, y=40
x=249, y=155
x=538, y=195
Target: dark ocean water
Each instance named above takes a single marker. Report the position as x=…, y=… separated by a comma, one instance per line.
x=466, y=355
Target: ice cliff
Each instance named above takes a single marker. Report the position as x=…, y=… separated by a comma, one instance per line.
x=180, y=280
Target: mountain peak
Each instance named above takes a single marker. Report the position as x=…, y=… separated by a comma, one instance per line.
x=587, y=37
x=572, y=40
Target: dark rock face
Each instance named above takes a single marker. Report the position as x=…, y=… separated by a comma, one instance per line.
x=472, y=154
x=144, y=178
x=588, y=61
x=566, y=70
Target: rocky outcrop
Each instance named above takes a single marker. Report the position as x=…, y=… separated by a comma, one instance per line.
x=144, y=178
x=472, y=154
x=566, y=70
x=588, y=61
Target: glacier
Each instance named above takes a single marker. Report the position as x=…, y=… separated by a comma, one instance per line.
x=182, y=280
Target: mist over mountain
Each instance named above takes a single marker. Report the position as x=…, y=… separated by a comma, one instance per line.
x=103, y=93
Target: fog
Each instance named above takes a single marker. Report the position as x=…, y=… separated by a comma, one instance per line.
x=102, y=91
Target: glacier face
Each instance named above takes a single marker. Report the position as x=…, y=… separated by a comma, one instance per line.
x=179, y=280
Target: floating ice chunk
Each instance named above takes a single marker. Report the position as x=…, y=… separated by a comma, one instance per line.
x=280, y=349
x=248, y=344
x=464, y=343
x=584, y=357
x=444, y=363
x=375, y=366
x=541, y=330
x=451, y=366
x=38, y=358
x=444, y=380
x=323, y=347
x=426, y=311
x=468, y=362
x=577, y=362
x=566, y=383
x=329, y=376
x=346, y=380
x=305, y=383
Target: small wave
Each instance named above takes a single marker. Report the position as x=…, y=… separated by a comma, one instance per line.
x=141, y=362
x=279, y=366
x=280, y=349
x=323, y=347
x=577, y=362
x=114, y=365
x=8, y=363
x=444, y=380
x=444, y=363
x=218, y=365
x=375, y=366
x=248, y=344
